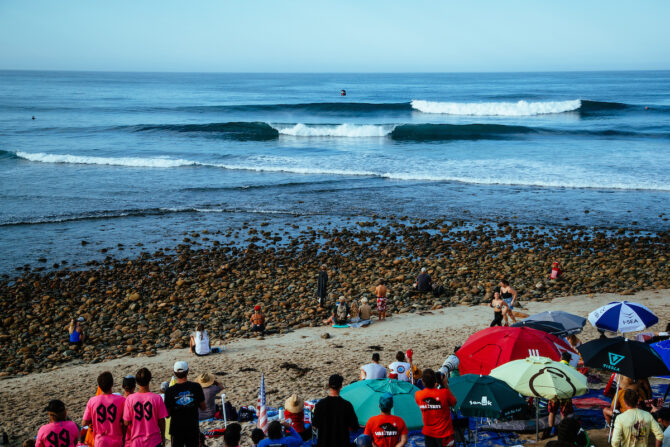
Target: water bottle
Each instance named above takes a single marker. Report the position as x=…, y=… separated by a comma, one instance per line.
x=281, y=414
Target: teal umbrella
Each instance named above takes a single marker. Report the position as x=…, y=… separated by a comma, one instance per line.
x=364, y=396
x=485, y=396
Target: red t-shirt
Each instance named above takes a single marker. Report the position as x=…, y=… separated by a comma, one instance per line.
x=385, y=429
x=434, y=405
x=297, y=420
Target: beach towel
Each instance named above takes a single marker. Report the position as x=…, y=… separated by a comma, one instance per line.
x=339, y=326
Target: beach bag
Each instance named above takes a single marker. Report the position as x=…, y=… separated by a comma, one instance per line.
x=437, y=291
x=245, y=415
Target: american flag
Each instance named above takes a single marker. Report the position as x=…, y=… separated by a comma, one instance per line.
x=262, y=411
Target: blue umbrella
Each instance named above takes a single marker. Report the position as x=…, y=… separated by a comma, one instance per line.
x=663, y=349
x=622, y=316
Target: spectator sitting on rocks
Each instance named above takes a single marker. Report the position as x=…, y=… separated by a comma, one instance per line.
x=200, y=341
x=258, y=320
x=76, y=331
x=423, y=283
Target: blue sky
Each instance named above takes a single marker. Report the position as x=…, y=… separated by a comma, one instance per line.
x=334, y=36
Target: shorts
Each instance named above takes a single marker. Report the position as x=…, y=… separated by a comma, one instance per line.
x=509, y=303
x=564, y=406
x=381, y=304
x=429, y=441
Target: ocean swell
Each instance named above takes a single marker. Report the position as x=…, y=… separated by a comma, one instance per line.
x=520, y=108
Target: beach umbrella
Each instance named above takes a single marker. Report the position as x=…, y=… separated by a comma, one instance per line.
x=573, y=324
x=491, y=347
x=542, y=377
x=630, y=358
x=662, y=348
x=550, y=327
x=622, y=316
x=485, y=396
x=364, y=396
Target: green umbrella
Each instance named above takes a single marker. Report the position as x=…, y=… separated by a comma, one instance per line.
x=364, y=396
x=484, y=396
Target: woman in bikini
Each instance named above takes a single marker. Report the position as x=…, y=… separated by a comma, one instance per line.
x=508, y=294
x=499, y=305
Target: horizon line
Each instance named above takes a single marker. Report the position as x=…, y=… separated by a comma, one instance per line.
x=332, y=72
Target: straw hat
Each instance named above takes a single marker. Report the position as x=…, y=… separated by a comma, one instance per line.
x=364, y=300
x=205, y=379
x=294, y=404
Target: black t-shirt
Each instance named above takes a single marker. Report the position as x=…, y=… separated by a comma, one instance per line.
x=182, y=401
x=423, y=282
x=333, y=418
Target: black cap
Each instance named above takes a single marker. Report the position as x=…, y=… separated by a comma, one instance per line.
x=55, y=406
x=335, y=381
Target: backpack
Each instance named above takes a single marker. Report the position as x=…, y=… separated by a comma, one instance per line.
x=341, y=313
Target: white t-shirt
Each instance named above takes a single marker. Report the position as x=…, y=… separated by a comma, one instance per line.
x=374, y=371
x=201, y=343
x=401, y=369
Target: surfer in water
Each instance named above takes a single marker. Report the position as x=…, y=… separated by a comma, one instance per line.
x=343, y=92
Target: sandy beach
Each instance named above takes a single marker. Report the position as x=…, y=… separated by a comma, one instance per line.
x=431, y=334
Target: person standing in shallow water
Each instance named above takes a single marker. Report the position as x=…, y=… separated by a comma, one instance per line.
x=322, y=287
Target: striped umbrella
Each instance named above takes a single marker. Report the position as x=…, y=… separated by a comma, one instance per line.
x=622, y=316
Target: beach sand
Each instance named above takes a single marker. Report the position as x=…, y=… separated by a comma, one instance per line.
x=431, y=334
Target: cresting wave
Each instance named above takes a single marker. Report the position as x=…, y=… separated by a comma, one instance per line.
x=292, y=168
x=258, y=131
x=520, y=108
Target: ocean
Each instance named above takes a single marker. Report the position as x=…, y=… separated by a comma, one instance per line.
x=114, y=164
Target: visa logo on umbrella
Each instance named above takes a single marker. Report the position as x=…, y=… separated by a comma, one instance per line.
x=485, y=402
x=614, y=360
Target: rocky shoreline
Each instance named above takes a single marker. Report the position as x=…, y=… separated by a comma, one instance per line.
x=137, y=307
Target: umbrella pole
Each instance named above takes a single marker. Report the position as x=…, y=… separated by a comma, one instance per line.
x=537, y=419
x=616, y=394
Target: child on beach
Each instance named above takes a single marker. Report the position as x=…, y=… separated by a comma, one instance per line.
x=258, y=320
x=556, y=272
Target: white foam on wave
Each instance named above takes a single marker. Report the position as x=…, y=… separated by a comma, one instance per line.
x=519, y=172
x=521, y=108
x=339, y=130
x=157, y=162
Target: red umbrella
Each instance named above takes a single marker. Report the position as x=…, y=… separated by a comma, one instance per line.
x=495, y=346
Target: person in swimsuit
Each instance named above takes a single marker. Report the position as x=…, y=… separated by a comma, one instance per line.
x=76, y=332
x=499, y=305
x=508, y=294
x=381, y=292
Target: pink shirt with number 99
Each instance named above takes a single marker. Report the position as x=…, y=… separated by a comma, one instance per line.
x=143, y=411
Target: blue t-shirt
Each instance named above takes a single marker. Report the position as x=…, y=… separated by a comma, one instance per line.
x=293, y=440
